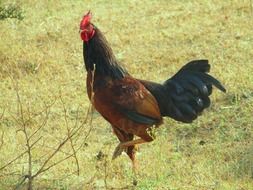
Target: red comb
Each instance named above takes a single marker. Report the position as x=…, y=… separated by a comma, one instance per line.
x=86, y=20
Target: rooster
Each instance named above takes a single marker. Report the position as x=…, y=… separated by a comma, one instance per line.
x=134, y=107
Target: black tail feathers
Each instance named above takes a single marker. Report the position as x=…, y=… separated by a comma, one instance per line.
x=189, y=90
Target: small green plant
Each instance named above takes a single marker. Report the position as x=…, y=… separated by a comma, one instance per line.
x=11, y=11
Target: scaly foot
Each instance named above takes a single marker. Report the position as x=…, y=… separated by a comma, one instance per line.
x=118, y=150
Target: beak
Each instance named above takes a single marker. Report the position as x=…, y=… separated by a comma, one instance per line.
x=81, y=30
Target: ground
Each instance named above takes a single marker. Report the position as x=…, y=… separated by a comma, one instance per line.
x=47, y=132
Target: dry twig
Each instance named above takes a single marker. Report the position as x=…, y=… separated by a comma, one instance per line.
x=27, y=139
x=24, y=118
x=70, y=139
x=2, y=140
x=19, y=156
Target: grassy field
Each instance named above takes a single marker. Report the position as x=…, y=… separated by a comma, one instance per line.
x=47, y=131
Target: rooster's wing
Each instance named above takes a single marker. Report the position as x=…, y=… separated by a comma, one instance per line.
x=134, y=101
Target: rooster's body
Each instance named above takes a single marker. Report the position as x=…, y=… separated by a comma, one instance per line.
x=134, y=106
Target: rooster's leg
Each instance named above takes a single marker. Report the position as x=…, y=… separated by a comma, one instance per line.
x=123, y=146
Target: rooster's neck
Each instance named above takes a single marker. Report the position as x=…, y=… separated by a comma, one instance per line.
x=98, y=52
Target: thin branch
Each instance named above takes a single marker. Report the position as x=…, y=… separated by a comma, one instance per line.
x=70, y=139
x=105, y=173
x=56, y=163
x=22, y=180
x=50, y=166
x=53, y=154
x=35, y=142
x=13, y=173
x=74, y=154
x=53, y=148
x=42, y=124
x=90, y=129
x=2, y=140
x=20, y=106
x=50, y=157
x=9, y=163
x=89, y=112
x=45, y=109
x=19, y=156
x=55, y=136
x=27, y=139
x=43, y=168
x=2, y=114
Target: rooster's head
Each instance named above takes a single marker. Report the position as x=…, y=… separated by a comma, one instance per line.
x=87, y=30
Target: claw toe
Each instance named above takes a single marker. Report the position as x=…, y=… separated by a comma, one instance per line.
x=118, y=151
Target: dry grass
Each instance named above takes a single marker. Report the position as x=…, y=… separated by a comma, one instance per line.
x=42, y=54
